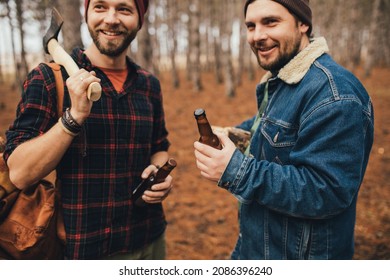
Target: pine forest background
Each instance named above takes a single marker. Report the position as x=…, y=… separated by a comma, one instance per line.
x=201, y=35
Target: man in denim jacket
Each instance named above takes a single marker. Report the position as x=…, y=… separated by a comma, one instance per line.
x=298, y=182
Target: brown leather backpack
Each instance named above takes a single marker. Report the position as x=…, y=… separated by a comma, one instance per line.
x=31, y=224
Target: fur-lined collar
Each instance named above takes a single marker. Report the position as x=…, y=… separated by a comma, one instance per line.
x=294, y=71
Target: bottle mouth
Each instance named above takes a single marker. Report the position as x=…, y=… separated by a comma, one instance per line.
x=172, y=162
x=198, y=112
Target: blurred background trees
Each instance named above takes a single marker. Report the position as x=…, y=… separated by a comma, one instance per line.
x=196, y=36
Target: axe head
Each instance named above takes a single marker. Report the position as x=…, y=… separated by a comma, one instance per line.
x=54, y=28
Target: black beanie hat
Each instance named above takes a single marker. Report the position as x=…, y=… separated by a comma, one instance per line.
x=300, y=8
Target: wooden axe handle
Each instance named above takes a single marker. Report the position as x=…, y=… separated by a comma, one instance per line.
x=60, y=56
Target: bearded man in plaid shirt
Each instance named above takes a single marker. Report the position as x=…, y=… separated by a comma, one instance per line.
x=111, y=145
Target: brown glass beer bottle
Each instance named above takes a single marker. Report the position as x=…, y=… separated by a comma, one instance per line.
x=153, y=179
x=206, y=133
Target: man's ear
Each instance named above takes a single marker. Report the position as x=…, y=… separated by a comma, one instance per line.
x=303, y=27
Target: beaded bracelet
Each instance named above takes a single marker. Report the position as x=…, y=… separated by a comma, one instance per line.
x=70, y=123
x=67, y=131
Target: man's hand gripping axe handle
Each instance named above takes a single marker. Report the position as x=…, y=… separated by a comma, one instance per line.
x=60, y=56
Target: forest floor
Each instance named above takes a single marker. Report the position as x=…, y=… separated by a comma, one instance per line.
x=202, y=218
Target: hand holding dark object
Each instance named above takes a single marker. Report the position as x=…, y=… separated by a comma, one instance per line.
x=212, y=162
x=206, y=133
x=153, y=179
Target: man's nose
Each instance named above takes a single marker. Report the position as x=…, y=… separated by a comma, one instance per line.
x=111, y=17
x=259, y=33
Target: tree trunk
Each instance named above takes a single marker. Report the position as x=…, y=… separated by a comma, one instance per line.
x=216, y=35
x=22, y=66
x=226, y=30
x=145, y=51
x=190, y=43
x=172, y=38
x=1, y=66
x=155, y=50
x=241, y=54
x=71, y=34
x=207, y=46
x=374, y=40
x=18, y=80
x=354, y=34
x=195, y=55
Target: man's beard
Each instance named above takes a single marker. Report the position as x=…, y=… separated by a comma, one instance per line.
x=284, y=57
x=112, y=48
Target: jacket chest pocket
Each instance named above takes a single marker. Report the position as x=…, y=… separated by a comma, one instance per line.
x=279, y=141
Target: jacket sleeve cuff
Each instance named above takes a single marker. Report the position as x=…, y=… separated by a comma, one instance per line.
x=234, y=171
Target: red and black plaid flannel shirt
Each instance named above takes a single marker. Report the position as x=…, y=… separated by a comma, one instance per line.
x=104, y=163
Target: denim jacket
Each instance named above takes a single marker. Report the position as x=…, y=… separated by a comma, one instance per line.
x=299, y=185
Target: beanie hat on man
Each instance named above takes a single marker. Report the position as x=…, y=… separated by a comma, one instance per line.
x=142, y=7
x=300, y=8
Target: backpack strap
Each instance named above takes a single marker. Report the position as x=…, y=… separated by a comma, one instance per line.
x=59, y=86
x=60, y=102
x=52, y=177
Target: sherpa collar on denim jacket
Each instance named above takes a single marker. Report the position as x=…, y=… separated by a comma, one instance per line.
x=294, y=71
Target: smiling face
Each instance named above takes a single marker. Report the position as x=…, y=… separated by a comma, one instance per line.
x=113, y=25
x=274, y=34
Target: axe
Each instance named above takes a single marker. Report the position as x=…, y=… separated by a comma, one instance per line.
x=60, y=56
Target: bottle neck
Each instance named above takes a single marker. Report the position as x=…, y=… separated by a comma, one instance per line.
x=164, y=171
x=204, y=127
